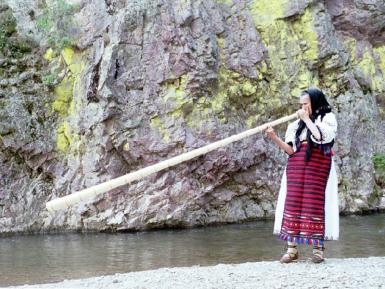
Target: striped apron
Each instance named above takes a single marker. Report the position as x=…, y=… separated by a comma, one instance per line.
x=304, y=211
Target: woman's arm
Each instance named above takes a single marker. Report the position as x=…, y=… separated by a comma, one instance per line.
x=272, y=135
x=304, y=115
x=328, y=128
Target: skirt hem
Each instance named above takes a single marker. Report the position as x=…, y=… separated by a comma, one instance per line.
x=301, y=240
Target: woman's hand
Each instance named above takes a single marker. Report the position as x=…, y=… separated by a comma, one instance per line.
x=303, y=114
x=269, y=132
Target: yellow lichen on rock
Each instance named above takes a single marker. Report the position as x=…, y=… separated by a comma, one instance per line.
x=67, y=139
x=366, y=63
x=379, y=79
x=266, y=12
x=251, y=121
x=221, y=46
x=304, y=79
x=157, y=123
x=233, y=88
x=248, y=88
x=175, y=91
x=64, y=139
x=73, y=60
x=370, y=61
x=305, y=32
x=291, y=44
x=175, y=97
x=380, y=53
x=64, y=96
x=64, y=102
x=49, y=54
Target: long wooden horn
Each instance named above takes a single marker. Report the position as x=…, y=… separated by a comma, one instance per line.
x=74, y=198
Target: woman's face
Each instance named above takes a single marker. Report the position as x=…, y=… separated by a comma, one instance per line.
x=305, y=103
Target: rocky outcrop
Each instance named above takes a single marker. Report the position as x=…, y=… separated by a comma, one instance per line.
x=91, y=90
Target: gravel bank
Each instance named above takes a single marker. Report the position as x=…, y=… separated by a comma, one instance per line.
x=334, y=273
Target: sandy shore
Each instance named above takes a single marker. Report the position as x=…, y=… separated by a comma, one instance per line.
x=333, y=273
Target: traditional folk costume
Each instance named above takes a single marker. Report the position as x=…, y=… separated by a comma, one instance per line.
x=307, y=208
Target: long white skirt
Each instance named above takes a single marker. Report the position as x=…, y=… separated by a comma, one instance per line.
x=332, y=223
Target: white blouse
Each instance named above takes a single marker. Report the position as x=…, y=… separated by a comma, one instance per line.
x=327, y=127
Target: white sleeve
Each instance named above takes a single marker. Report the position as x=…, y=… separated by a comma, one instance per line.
x=327, y=128
x=290, y=133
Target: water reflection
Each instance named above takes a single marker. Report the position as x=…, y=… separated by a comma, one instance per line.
x=48, y=258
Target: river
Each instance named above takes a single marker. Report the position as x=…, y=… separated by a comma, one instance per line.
x=33, y=259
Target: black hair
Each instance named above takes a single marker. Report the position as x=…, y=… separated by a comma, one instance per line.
x=319, y=107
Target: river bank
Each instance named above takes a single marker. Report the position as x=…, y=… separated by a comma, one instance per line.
x=333, y=273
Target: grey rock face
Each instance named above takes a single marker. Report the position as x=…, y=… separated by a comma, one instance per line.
x=147, y=80
x=360, y=19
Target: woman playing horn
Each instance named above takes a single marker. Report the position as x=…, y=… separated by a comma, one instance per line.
x=307, y=207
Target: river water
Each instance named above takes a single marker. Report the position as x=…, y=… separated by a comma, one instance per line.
x=48, y=258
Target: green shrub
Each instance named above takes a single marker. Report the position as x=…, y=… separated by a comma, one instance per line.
x=7, y=28
x=379, y=162
x=49, y=79
x=11, y=45
x=379, y=165
x=3, y=40
x=57, y=24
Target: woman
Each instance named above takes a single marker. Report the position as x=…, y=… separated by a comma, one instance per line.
x=307, y=207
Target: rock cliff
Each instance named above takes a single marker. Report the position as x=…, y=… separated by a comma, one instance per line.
x=91, y=90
